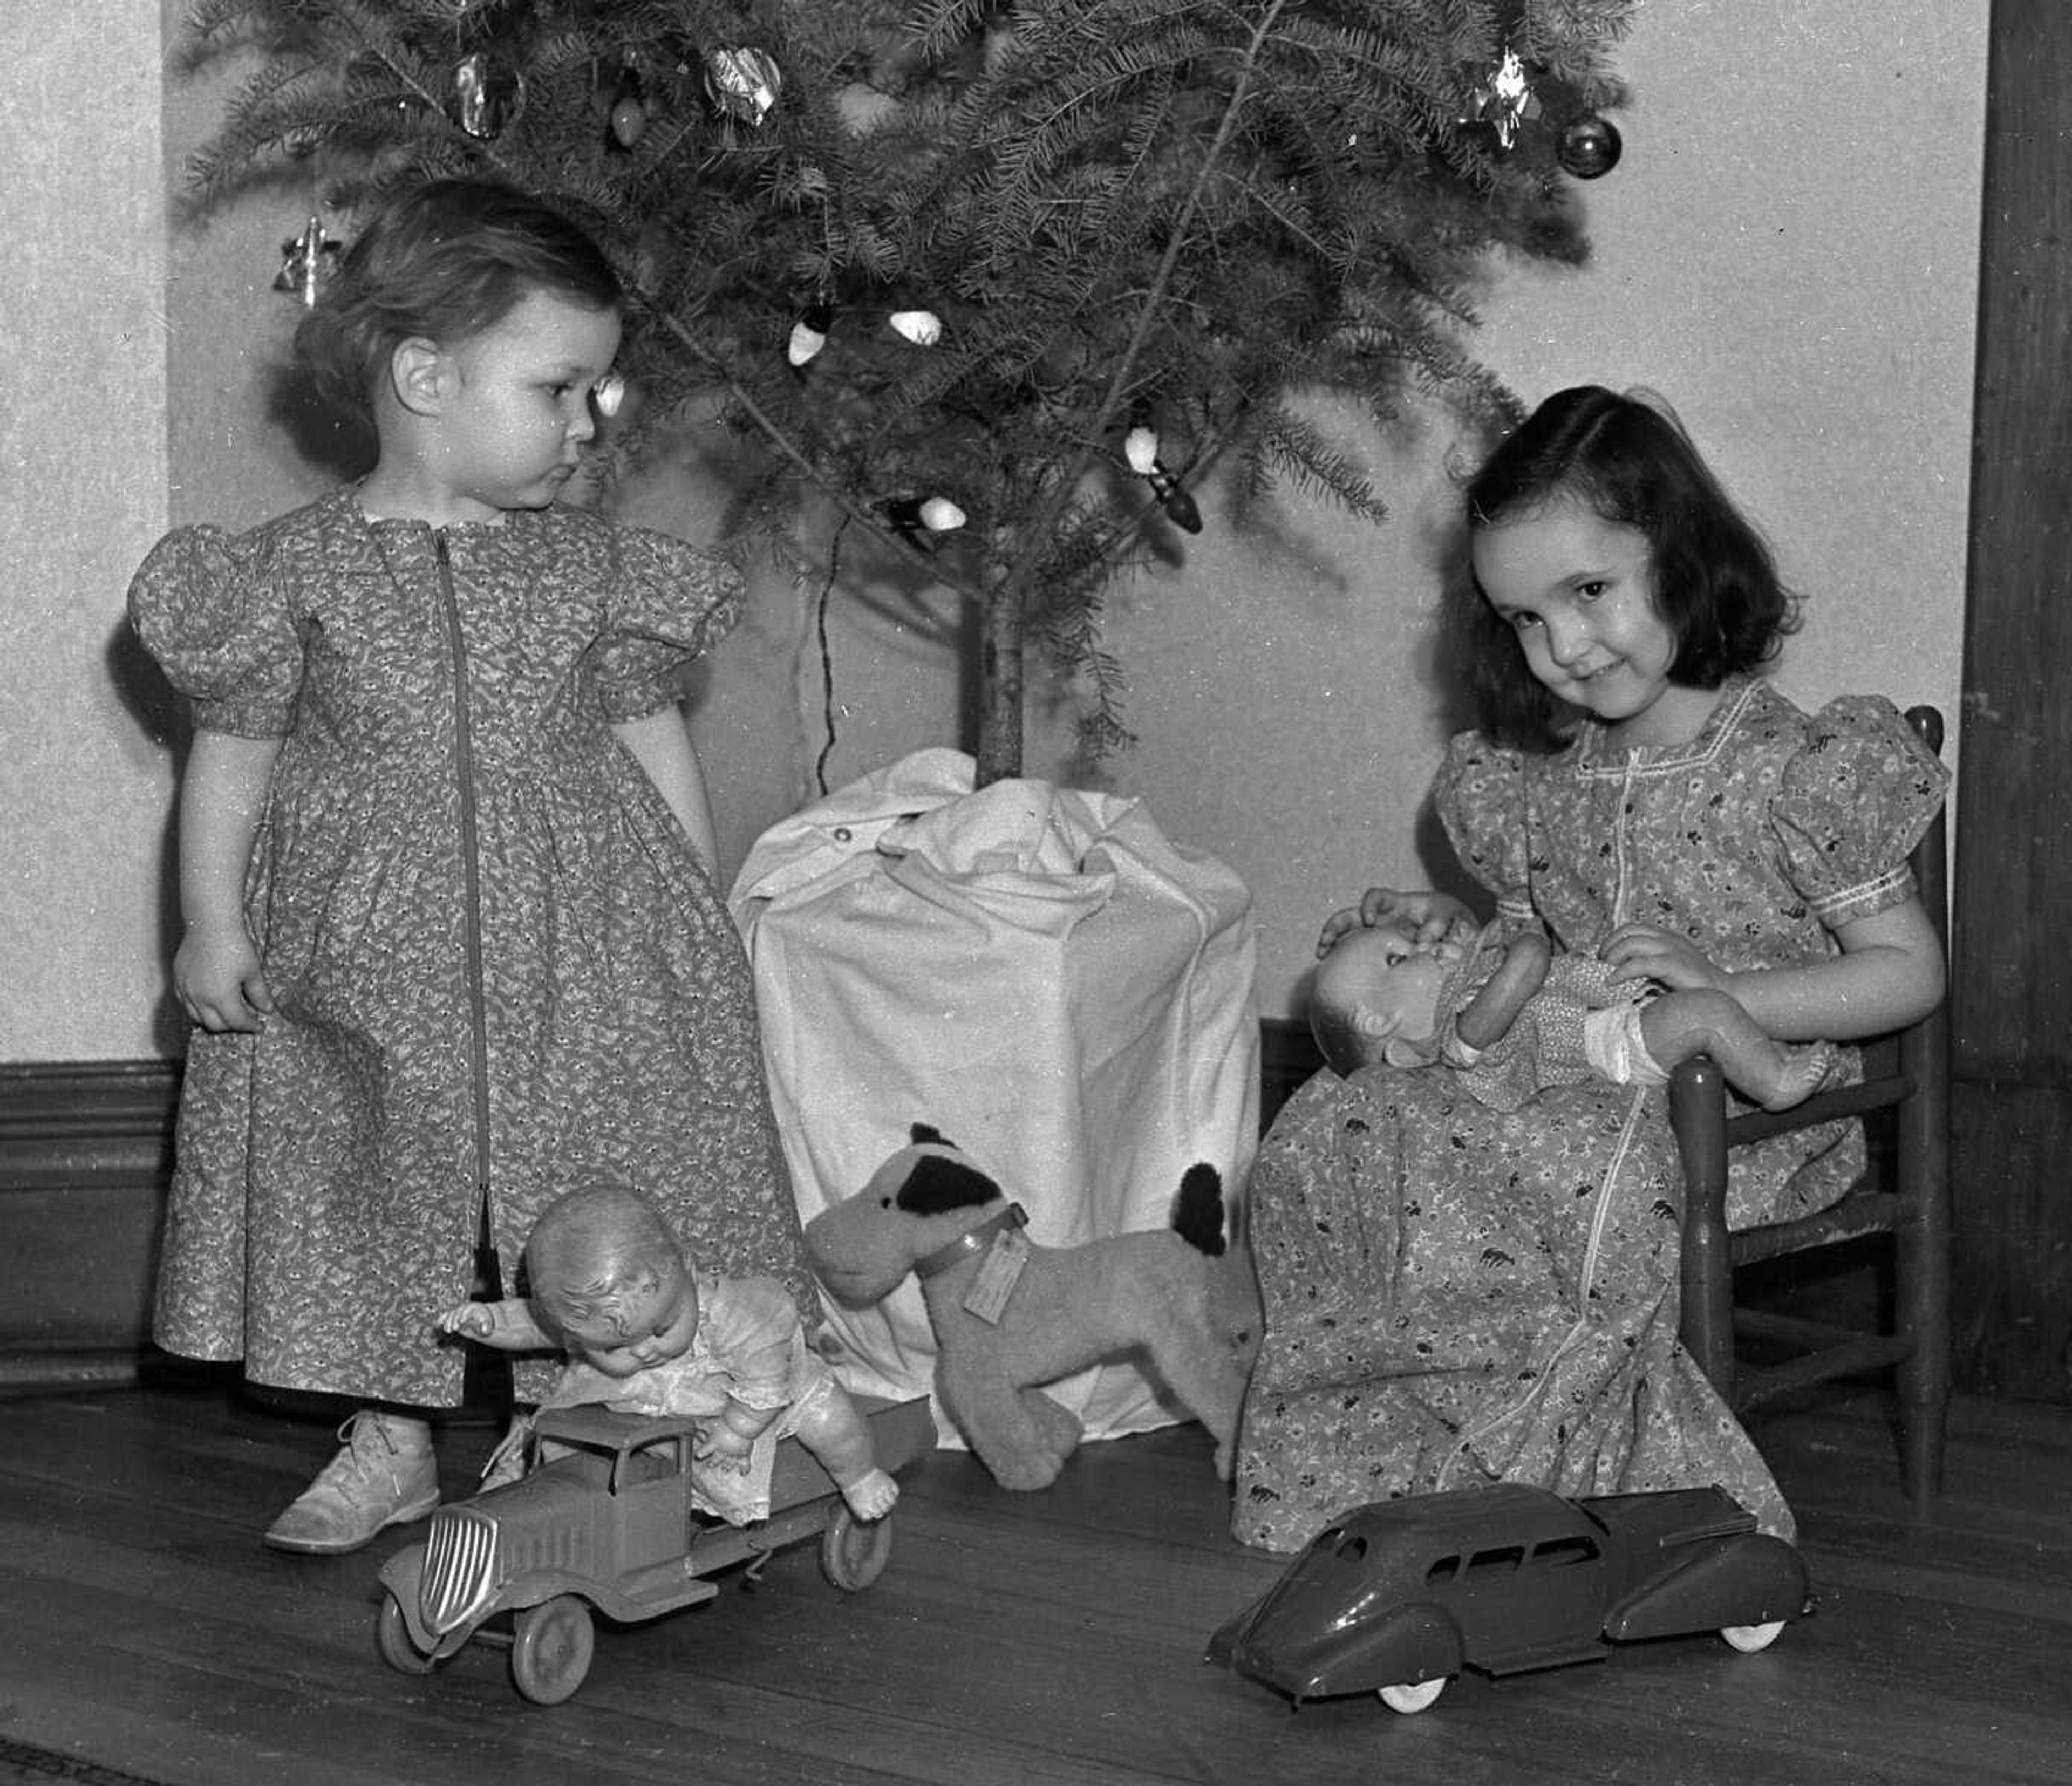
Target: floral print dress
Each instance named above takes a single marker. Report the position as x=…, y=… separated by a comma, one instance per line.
x=499, y=967
x=1455, y=1293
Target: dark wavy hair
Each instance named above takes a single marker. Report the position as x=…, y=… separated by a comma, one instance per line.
x=1629, y=460
x=444, y=261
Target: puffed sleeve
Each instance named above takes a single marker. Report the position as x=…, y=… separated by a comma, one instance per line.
x=1479, y=793
x=751, y=1326
x=221, y=631
x=669, y=602
x=1851, y=803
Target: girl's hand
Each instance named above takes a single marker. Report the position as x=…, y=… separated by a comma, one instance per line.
x=1427, y=916
x=1641, y=952
x=472, y=1319
x=218, y=979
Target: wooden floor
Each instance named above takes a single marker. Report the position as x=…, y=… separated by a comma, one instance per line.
x=1045, y=1640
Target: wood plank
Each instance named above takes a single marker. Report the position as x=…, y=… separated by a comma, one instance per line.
x=1054, y=1638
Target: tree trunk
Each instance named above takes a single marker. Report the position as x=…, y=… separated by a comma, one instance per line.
x=1000, y=686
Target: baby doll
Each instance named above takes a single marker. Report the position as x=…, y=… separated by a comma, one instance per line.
x=644, y=1332
x=1515, y=1018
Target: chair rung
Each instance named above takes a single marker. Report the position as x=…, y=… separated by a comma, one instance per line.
x=1866, y=1212
x=1844, y=1101
x=1853, y=1353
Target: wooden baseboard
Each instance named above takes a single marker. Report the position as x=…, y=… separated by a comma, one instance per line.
x=85, y=1150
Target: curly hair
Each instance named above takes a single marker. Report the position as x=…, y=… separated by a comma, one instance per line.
x=442, y=260
x=1628, y=458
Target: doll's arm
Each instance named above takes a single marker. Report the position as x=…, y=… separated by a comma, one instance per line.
x=507, y=1325
x=1492, y=1011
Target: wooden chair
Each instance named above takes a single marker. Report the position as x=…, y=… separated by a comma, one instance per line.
x=1903, y=1199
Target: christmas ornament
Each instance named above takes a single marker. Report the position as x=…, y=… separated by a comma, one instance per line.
x=809, y=334
x=743, y=84
x=609, y=394
x=922, y=327
x=1588, y=148
x=487, y=94
x=1139, y=446
x=312, y=257
x=626, y=117
x=1501, y=100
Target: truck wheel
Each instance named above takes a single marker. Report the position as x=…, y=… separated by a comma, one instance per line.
x=1410, y=1696
x=393, y=1638
x=853, y=1551
x=551, y=1647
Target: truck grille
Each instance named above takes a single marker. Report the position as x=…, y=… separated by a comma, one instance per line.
x=460, y=1567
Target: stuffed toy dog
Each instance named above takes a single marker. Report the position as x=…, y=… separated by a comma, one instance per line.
x=1010, y=1314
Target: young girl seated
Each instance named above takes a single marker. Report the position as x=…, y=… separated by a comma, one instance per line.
x=644, y=1332
x=1515, y=1017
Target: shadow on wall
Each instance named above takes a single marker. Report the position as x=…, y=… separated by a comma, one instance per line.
x=162, y=716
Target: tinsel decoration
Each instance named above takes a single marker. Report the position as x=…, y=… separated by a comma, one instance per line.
x=1588, y=148
x=1140, y=447
x=487, y=94
x=743, y=84
x=1501, y=100
x=922, y=327
x=809, y=334
x=312, y=257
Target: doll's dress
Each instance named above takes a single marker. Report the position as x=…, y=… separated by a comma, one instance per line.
x=1454, y=1294
x=1550, y=1041
x=749, y=1347
x=499, y=966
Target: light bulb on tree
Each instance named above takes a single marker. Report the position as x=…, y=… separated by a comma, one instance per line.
x=1140, y=447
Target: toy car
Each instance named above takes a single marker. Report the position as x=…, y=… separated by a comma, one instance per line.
x=1397, y=1597
x=605, y=1518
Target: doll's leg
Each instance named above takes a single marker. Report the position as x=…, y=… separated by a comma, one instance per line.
x=1777, y=1075
x=827, y=1423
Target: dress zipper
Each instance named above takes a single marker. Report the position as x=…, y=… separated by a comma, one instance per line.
x=470, y=875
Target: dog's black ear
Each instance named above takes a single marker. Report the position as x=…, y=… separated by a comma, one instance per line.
x=936, y=1186
x=925, y=1134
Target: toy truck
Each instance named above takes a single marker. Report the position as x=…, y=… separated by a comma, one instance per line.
x=606, y=1519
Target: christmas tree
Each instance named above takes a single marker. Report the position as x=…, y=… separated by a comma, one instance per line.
x=1000, y=279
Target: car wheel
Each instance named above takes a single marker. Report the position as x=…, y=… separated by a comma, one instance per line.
x=392, y=1636
x=1412, y=1696
x=1749, y=1639
x=551, y=1647
x=853, y=1551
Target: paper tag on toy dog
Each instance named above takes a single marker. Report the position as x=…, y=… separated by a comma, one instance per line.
x=998, y=1272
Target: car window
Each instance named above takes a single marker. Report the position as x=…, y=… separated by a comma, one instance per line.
x=1564, y=1552
x=1443, y=1571
x=1499, y=1562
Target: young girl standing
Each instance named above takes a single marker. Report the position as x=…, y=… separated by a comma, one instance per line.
x=452, y=938
x=1454, y=1294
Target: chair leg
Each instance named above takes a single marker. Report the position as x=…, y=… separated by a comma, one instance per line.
x=1697, y=1118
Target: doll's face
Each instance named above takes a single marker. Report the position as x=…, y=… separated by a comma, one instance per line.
x=642, y=1318
x=1387, y=982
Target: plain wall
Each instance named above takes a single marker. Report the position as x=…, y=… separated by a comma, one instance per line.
x=1786, y=250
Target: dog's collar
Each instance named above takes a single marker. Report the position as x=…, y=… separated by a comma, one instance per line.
x=972, y=1241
